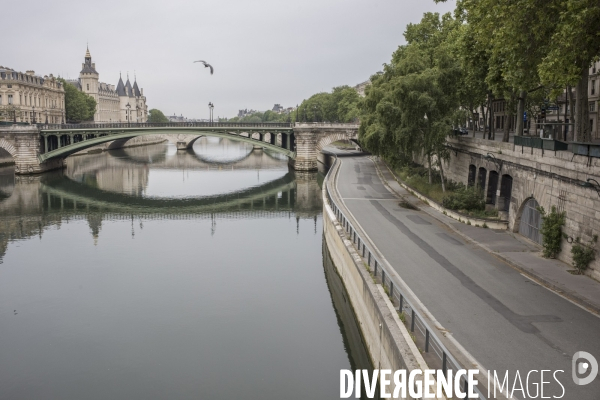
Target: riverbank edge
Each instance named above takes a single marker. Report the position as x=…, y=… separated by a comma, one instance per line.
x=389, y=344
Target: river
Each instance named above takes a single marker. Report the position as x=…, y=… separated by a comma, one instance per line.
x=152, y=273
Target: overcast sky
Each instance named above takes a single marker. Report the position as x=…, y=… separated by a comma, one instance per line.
x=264, y=52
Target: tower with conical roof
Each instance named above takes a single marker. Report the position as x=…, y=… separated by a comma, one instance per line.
x=88, y=78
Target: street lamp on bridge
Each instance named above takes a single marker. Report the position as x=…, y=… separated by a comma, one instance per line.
x=211, y=106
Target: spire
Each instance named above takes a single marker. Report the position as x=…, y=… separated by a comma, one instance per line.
x=128, y=86
x=88, y=67
x=121, y=87
x=136, y=89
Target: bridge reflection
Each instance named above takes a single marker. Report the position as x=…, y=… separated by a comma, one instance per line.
x=102, y=187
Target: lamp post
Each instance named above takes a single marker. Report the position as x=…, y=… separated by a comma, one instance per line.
x=128, y=113
x=211, y=106
x=591, y=183
x=33, y=120
x=497, y=163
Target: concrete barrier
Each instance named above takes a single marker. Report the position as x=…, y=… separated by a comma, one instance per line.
x=389, y=344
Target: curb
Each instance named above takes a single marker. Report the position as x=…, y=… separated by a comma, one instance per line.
x=573, y=297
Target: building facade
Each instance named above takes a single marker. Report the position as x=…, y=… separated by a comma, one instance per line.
x=124, y=103
x=26, y=97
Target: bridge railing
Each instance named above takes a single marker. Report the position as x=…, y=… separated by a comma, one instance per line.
x=436, y=354
x=124, y=125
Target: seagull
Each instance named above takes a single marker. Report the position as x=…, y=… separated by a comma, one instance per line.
x=206, y=65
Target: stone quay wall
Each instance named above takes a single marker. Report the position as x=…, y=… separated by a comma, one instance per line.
x=388, y=342
x=552, y=178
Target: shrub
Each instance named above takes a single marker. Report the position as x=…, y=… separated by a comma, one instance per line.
x=551, y=231
x=583, y=254
x=464, y=198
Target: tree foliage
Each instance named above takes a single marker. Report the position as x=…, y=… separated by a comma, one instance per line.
x=341, y=105
x=78, y=105
x=156, y=116
x=411, y=107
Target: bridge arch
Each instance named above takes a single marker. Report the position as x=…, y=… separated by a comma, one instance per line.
x=7, y=147
x=331, y=138
x=69, y=147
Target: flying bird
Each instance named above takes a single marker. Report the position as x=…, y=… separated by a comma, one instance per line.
x=206, y=65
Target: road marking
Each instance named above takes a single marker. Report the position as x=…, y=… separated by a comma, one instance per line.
x=559, y=294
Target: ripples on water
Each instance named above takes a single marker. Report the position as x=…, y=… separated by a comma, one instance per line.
x=154, y=273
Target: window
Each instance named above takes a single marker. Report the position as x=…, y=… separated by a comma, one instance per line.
x=0, y=99
x=88, y=86
x=10, y=99
x=9, y=86
x=593, y=87
x=592, y=106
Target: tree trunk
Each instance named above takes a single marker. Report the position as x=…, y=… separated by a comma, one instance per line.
x=571, y=106
x=429, y=168
x=582, y=113
x=441, y=174
x=474, y=121
x=520, y=112
x=484, y=110
x=509, y=118
x=560, y=137
x=492, y=133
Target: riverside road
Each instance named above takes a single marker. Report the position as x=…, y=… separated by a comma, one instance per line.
x=506, y=321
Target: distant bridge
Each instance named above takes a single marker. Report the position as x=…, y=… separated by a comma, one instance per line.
x=37, y=148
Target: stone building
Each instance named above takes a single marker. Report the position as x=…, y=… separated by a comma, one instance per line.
x=26, y=97
x=125, y=103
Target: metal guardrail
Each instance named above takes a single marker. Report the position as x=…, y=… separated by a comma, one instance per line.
x=425, y=337
x=124, y=125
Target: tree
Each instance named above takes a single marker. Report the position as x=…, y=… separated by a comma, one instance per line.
x=78, y=105
x=9, y=112
x=156, y=116
x=341, y=105
x=574, y=45
x=412, y=106
x=532, y=43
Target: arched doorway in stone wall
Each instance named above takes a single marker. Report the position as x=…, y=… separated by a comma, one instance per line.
x=492, y=187
x=505, y=192
x=531, y=221
x=482, y=178
x=471, y=177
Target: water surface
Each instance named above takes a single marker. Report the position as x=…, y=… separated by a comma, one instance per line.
x=151, y=273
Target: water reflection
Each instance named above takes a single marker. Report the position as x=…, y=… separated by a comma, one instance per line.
x=213, y=166
x=112, y=289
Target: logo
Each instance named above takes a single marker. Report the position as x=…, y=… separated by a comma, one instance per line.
x=582, y=364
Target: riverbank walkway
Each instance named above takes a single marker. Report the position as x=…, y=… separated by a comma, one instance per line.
x=475, y=281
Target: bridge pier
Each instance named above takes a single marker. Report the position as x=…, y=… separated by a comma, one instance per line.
x=310, y=138
x=23, y=144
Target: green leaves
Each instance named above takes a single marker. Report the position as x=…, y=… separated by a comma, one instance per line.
x=157, y=116
x=340, y=105
x=78, y=105
x=410, y=107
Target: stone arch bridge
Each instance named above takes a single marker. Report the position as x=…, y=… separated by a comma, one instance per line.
x=38, y=148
